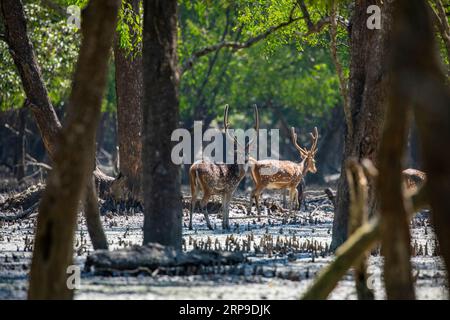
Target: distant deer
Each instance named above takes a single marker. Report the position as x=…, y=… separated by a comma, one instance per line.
x=218, y=178
x=278, y=174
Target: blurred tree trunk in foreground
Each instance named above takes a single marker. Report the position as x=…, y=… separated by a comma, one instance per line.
x=161, y=183
x=53, y=250
x=129, y=92
x=394, y=209
x=423, y=84
x=367, y=89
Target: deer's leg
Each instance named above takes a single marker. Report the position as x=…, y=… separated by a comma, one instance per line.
x=256, y=193
x=252, y=195
x=226, y=207
x=291, y=199
x=296, y=199
x=284, y=198
x=193, y=202
x=191, y=212
x=204, y=204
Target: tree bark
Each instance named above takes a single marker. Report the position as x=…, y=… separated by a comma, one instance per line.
x=53, y=251
x=394, y=209
x=424, y=83
x=162, y=197
x=129, y=92
x=367, y=89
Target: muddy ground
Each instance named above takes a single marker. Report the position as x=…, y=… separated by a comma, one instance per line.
x=284, y=254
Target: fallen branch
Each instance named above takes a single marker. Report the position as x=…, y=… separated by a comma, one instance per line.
x=22, y=215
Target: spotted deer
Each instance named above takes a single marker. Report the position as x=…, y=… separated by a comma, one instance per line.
x=218, y=178
x=281, y=174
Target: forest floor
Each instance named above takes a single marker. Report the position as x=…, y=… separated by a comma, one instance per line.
x=283, y=255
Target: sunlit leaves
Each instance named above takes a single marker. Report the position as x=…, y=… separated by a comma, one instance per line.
x=129, y=28
x=56, y=46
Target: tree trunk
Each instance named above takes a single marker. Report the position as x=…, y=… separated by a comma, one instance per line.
x=129, y=92
x=367, y=89
x=162, y=197
x=394, y=210
x=425, y=84
x=53, y=250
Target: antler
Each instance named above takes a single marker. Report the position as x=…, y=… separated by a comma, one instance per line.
x=226, y=125
x=234, y=138
x=256, y=115
x=303, y=152
x=314, y=139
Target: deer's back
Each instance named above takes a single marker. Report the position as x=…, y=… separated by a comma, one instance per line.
x=218, y=177
x=276, y=173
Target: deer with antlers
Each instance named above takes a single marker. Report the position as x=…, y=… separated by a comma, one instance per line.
x=279, y=174
x=219, y=178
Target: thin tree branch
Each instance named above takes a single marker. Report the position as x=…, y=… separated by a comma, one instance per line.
x=305, y=13
x=319, y=25
x=234, y=45
x=312, y=28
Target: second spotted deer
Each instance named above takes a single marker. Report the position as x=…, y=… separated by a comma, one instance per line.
x=279, y=174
